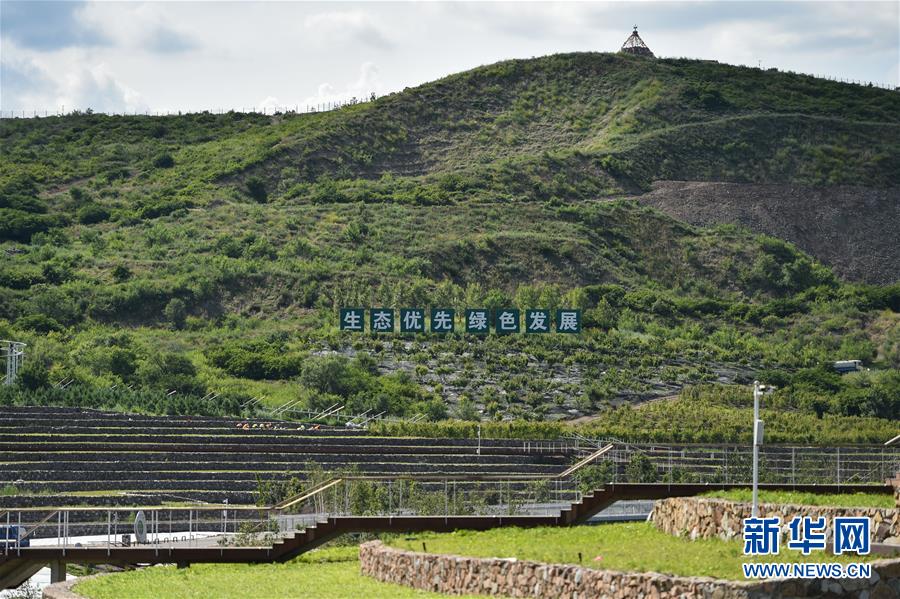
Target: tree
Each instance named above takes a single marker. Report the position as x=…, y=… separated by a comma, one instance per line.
x=33, y=375
x=528, y=296
x=466, y=410
x=121, y=273
x=434, y=409
x=168, y=371
x=78, y=195
x=122, y=362
x=641, y=470
x=590, y=478
x=176, y=313
x=604, y=316
x=333, y=375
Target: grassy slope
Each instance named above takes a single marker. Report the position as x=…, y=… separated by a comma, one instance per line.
x=325, y=574
x=655, y=119
x=463, y=191
x=629, y=547
x=793, y=497
x=334, y=573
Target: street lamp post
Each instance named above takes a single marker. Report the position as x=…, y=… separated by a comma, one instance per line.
x=757, y=441
x=479, y=438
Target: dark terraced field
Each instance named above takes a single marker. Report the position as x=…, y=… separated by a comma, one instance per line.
x=64, y=457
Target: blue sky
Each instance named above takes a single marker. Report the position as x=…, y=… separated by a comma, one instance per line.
x=169, y=56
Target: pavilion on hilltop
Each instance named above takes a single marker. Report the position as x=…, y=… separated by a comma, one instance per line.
x=635, y=45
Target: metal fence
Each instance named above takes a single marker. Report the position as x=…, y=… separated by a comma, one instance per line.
x=438, y=496
x=157, y=527
x=734, y=464
x=305, y=108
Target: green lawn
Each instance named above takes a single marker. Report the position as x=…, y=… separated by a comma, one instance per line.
x=883, y=500
x=334, y=573
x=628, y=547
x=324, y=574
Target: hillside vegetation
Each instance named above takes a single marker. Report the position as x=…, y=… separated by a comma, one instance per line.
x=209, y=253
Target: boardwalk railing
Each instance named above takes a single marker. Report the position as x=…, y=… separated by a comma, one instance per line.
x=476, y=486
x=153, y=527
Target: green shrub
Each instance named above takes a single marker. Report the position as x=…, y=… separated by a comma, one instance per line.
x=40, y=323
x=20, y=193
x=33, y=375
x=175, y=313
x=256, y=360
x=92, y=213
x=159, y=208
x=164, y=160
x=595, y=476
x=168, y=371
x=144, y=401
x=121, y=273
x=20, y=277
x=17, y=225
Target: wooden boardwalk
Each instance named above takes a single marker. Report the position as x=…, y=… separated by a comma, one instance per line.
x=21, y=563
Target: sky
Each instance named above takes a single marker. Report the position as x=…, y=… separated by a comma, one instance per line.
x=211, y=55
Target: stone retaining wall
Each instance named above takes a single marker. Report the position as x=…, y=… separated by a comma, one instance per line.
x=455, y=575
x=704, y=517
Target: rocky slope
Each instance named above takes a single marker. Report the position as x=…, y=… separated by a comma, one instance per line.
x=854, y=230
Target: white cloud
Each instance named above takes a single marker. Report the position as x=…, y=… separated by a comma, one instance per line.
x=22, y=82
x=525, y=19
x=346, y=27
x=271, y=103
x=144, y=26
x=97, y=88
x=68, y=78
x=367, y=83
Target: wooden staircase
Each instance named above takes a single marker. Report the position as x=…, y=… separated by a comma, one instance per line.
x=13, y=573
x=293, y=544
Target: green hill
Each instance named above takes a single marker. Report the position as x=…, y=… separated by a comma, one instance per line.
x=209, y=253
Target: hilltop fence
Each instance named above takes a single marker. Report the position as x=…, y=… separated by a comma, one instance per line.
x=264, y=110
x=308, y=108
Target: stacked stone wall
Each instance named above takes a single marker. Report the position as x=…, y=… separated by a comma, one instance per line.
x=705, y=518
x=456, y=575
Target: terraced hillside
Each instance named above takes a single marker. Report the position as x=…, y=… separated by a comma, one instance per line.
x=208, y=254
x=54, y=457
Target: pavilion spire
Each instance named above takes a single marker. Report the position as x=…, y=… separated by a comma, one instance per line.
x=635, y=45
